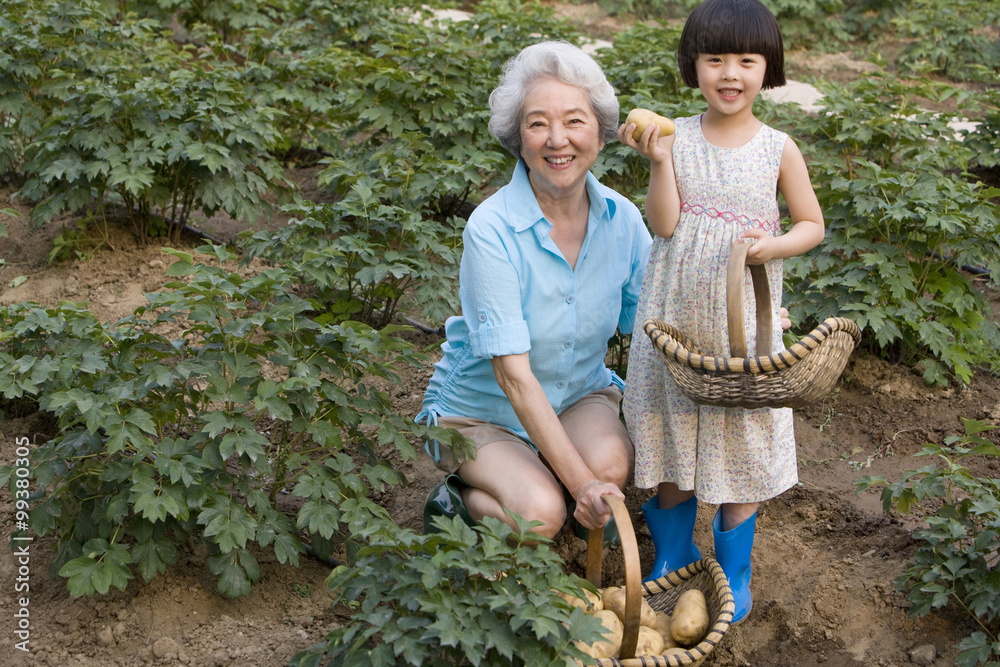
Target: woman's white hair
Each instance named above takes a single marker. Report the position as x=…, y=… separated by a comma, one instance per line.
x=563, y=61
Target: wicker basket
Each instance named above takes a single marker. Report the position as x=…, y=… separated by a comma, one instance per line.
x=661, y=594
x=799, y=376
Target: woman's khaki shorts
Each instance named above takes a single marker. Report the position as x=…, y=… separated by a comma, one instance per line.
x=483, y=433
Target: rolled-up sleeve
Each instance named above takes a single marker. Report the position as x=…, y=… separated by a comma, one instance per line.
x=491, y=295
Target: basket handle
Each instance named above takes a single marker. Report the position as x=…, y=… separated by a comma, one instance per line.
x=633, y=583
x=734, y=303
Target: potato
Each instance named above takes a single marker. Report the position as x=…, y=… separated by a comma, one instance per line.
x=612, y=643
x=662, y=626
x=590, y=601
x=650, y=642
x=690, y=619
x=614, y=600
x=643, y=117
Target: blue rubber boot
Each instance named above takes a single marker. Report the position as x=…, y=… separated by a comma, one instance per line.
x=445, y=499
x=673, y=535
x=732, y=550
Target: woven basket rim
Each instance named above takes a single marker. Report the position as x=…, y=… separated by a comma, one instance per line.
x=675, y=345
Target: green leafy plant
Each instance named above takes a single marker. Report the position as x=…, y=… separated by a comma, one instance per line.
x=158, y=146
x=955, y=563
x=227, y=18
x=202, y=436
x=488, y=596
x=69, y=244
x=44, y=42
x=904, y=219
x=302, y=83
x=386, y=240
x=984, y=140
x=951, y=36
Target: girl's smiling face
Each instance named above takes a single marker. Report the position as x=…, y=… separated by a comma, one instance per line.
x=560, y=136
x=730, y=82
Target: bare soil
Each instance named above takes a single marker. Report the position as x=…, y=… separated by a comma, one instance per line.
x=824, y=559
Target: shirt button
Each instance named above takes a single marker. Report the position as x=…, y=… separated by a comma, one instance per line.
x=568, y=344
x=482, y=317
x=570, y=299
x=560, y=384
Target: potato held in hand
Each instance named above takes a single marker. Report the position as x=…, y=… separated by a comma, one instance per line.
x=643, y=117
x=690, y=619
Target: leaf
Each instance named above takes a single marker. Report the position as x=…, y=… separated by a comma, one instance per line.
x=86, y=575
x=229, y=523
x=142, y=419
x=80, y=572
x=248, y=443
x=152, y=557
x=236, y=570
x=975, y=650
x=157, y=502
x=318, y=516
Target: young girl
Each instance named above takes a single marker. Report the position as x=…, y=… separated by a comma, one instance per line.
x=711, y=184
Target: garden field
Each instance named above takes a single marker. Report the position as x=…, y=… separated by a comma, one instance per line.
x=152, y=574
x=825, y=561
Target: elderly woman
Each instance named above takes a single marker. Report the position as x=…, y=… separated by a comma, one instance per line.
x=552, y=265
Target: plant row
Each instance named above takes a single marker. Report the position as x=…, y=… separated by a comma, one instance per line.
x=105, y=113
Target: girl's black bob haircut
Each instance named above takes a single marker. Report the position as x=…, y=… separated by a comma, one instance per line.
x=732, y=26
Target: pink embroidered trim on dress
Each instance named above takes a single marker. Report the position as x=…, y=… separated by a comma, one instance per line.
x=743, y=221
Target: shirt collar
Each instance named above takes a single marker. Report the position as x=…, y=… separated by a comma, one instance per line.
x=524, y=211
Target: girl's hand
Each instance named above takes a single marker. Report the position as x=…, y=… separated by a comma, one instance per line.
x=649, y=145
x=759, y=240
x=762, y=246
x=591, y=510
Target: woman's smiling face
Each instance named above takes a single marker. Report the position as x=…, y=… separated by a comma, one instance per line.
x=560, y=136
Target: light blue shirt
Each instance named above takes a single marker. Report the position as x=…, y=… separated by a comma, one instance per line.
x=519, y=294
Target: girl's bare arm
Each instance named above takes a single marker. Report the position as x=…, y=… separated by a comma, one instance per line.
x=808, y=227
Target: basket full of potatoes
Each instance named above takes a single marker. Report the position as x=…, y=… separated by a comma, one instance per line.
x=675, y=620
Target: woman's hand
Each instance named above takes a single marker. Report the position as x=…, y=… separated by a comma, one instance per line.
x=591, y=510
x=648, y=145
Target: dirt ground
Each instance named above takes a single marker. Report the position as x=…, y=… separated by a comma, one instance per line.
x=824, y=557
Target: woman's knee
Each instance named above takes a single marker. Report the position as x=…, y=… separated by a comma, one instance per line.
x=603, y=443
x=546, y=507
x=612, y=460
x=619, y=469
